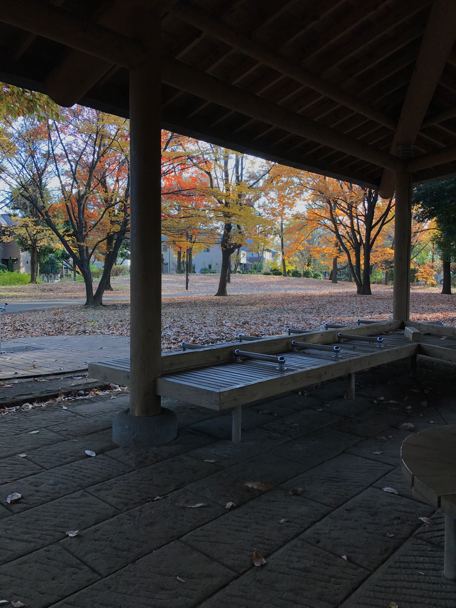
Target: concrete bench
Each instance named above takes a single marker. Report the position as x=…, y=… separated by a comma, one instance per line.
x=428, y=462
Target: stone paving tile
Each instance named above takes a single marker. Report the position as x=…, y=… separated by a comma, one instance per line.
x=316, y=447
x=4, y=512
x=428, y=417
x=412, y=578
x=447, y=409
x=348, y=407
x=231, y=539
x=220, y=426
x=71, y=450
x=143, y=485
x=359, y=528
x=48, y=523
x=188, y=414
x=25, y=421
x=91, y=408
x=83, y=426
x=296, y=575
x=152, y=582
x=137, y=458
x=283, y=406
x=435, y=532
x=54, y=483
x=396, y=479
x=17, y=444
x=15, y=467
x=44, y=577
x=333, y=390
x=117, y=542
x=300, y=423
x=228, y=485
x=370, y=422
x=338, y=480
x=226, y=453
x=387, y=444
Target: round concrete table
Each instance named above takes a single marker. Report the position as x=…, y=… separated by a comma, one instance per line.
x=429, y=463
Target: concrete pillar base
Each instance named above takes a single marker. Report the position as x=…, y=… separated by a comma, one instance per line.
x=144, y=431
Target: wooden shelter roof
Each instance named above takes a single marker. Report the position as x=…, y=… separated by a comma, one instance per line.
x=330, y=86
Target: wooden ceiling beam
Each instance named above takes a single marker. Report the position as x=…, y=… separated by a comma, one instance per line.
x=198, y=83
x=242, y=43
x=438, y=39
x=433, y=159
x=65, y=27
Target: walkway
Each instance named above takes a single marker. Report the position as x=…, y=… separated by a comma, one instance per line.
x=31, y=357
x=316, y=487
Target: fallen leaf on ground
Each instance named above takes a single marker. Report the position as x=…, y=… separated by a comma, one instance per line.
x=23, y=455
x=423, y=403
x=72, y=533
x=296, y=491
x=393, y=605
x=209, y=460
x=258, y=485
x=33, y=432
x=390, y=490
x=14, y=497
x=4, y=601
x=17, y=604
x=407, y=426
x=197, y=505
x=390, y=534
x=344, y=557
x=89, y=453
x=258, y=559
x=283, y=520
x=180, y=579
x=265, y=412
x=230, y=505
x=158, y=498
x=426, y=521
x=377, y=453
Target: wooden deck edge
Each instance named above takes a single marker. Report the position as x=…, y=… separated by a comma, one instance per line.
x=106, y=371
x=437, y=352
x=438, y=330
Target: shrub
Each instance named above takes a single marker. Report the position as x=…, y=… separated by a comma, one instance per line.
x=295, y=273
x=308, y=273
x=276, y=272
x=3, y=268
x=318, y=275
x=14, y=278
x=118, y=270
x=266, y=272
x=96, y=272
x=204, y=271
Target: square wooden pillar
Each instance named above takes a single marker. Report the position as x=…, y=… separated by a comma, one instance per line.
x=402, y=239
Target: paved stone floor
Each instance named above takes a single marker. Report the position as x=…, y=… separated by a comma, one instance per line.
x=31, y=357
x=143, y=542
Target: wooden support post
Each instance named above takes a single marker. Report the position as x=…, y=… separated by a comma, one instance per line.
x=236, y=432
x=352, y=388
x=145, y=209
x=402, y=236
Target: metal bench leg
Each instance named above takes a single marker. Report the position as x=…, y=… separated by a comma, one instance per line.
x=449, y=569
x=351, y=388
x=237, y=424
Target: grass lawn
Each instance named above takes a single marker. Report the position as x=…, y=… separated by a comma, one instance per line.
x=305, y=303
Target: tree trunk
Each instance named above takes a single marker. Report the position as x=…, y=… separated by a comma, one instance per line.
x=109, y=262
x=387, y=270
x=446, y=287
x=365, y=289
x=334, y=271
x=228, y=274
x=109, y=246
x=34, y=264
x=224, y=273
x=190, y=260
x=179, y=262
x=284, y=264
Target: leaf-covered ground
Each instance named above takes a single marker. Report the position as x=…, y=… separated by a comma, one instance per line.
x=207, y=319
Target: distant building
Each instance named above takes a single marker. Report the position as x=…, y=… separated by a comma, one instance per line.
x=20, y=259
